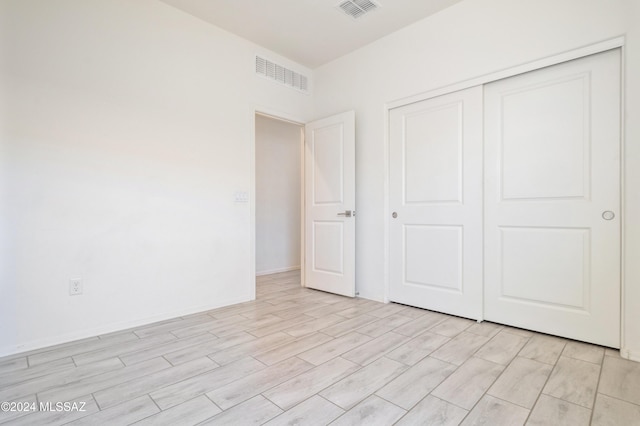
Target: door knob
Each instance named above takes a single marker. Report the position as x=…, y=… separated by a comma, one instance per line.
x=394, y=215
x=347, y=213
x=608, y=215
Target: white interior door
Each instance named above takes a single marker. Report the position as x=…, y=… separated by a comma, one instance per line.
x=436, y=203
x=552, y=200
x=329, y=204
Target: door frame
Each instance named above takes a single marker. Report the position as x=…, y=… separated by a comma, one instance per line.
x=603, y=46
x=287, y=118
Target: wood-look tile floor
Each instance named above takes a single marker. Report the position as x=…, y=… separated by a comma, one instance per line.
x=302, y=357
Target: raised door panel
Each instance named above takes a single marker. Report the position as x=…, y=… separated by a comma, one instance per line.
x=433, y=257
x=327, y=151
x=432, y=152
x=545, y=140
x=549, y=267
x=328, y=256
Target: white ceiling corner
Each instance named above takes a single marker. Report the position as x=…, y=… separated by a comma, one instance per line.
x=309, y=32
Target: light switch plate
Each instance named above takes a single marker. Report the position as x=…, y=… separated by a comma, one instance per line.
x=241, y=197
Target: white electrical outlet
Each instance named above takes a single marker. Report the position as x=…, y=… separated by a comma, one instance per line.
x=75, y=287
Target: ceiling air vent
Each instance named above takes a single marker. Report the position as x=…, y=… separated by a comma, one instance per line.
x=357, y=8
x=282, y=75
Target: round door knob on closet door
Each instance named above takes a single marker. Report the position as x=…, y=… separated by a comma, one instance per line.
x=608, y=215
x=394, y=215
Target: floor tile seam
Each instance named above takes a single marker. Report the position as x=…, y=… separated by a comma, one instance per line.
x=208, y=355
x=212, y=323
x=340, y=355
x=503, y=365
x=66, y=383
x=468, y=410
x=155, y=389
x=154, y=403
x=351, y=330
x=406, y=412
x=344, y=412
x=165, y=353
x=304, y=335
x=422, y=399
x=221, y=336
x=428, y=393
x=334, y=313
x=118, y=354
x=125, y=366
x=332, y=403
x=184, y=402
x=212, y=401
x=616, y=398
x=288, y=343
x=306, y=371
x=381, y=355
x=253, y=354
x=285, y=410
x=202, y=374
x=72, y=356
x=484, y=393
x=601, y=363
x=595, y=393
x=437, y=324
x=277, y=331
x=268, y=389
x=53, y=348
x=565, y=400
x=386, y=400
x=543, y=385
x=559, y=399
x=427, y=355
x=361, y=367
x=215, y=335
x=93, y=396
x=138, y=420
x=511, y=402
x=169, y=330
x=537, y=360
x=456, y=368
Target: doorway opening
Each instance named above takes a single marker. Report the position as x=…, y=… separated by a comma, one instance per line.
x=279, y=197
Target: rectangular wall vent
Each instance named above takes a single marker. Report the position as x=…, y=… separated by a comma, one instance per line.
x=282, y=75
x=357, y=8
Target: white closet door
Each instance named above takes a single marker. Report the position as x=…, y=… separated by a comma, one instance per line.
x=552, y=200
x=436, y=200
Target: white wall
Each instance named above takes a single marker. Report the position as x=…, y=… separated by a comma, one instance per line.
x=126, y=128
x=278, y=180
x=470, y=39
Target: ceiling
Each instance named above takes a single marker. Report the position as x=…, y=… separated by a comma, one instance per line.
x=310, y=32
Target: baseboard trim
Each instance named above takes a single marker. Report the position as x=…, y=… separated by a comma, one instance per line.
x=112, y=328
x=630, y=355
x=278, y=270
